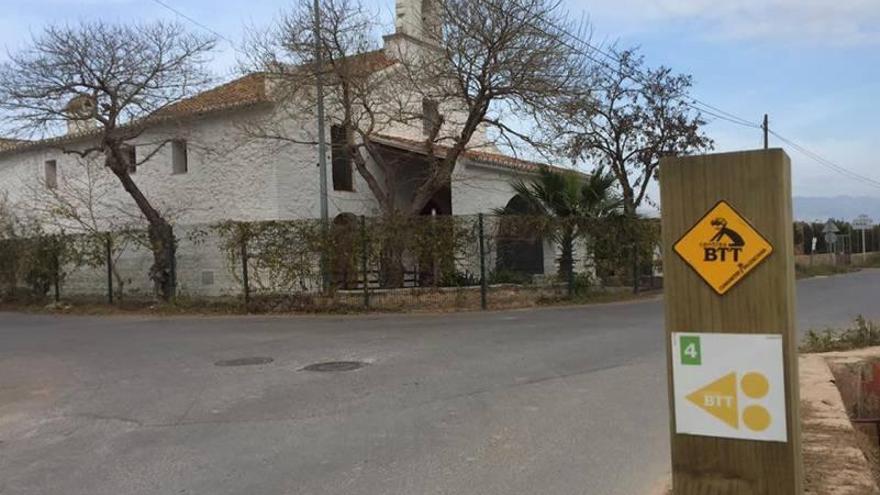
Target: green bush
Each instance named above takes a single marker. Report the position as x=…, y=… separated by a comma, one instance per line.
x=862, y=334
x=509, y=277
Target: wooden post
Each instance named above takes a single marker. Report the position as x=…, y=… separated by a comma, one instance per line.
x=757, y=186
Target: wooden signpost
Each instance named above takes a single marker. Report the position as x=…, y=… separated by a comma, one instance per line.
x=730, y=324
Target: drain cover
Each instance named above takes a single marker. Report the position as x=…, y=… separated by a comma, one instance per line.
x=335, y=366
x=247, y=361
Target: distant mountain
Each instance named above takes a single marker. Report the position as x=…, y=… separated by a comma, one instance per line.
x=838, y=207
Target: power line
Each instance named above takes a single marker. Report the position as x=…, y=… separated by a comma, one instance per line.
x=828, y=163
x=639, y=78
x=197, y=23
x=707, y=108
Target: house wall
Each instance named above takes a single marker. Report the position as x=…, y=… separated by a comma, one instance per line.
x=230, y=176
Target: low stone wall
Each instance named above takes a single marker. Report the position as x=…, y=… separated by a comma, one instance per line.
x=856, y=259
x=499, y=296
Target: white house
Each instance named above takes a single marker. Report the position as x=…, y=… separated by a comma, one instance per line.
x=204, y=168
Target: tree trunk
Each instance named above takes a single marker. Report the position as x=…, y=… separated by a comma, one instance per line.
x=394, y=231
x=392, y=271
x=566, y=260
x=162, y=243
x=160, y=233
x=632, y=227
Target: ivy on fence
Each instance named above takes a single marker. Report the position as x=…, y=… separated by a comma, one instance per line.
x=354, y=260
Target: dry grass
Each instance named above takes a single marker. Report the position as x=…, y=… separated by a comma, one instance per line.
x=500, y=297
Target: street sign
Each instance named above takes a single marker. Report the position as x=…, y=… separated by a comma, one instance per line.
x=863, y=222
x=830, y=227
x=723, y=247
x=830, y=240
x=729, y=385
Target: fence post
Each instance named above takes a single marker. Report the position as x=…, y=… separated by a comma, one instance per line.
x=366, y=275
x=484, y=287
x=108, y=245
x=244, y=273
x=56, y=266
x=637, y=272
x=173, y=273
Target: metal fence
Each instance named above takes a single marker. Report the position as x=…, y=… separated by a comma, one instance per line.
x=352, y=263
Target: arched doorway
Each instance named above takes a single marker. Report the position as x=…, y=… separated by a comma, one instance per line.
x=520, y=244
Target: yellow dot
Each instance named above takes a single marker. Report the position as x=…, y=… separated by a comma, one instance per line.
x=755, y=385
x=756, y=418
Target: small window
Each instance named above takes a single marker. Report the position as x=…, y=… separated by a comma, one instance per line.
x=178, y=157
x=131, y=155
x=430, y=115
x=342, y=169
x=51, y=174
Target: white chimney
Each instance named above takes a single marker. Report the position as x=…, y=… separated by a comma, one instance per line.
x=81, y=114
x=419, y=19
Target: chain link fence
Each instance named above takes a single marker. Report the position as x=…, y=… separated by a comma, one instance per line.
x=351, y=263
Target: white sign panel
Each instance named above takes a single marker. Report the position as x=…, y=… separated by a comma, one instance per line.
x=729, y=385
x=863, y=222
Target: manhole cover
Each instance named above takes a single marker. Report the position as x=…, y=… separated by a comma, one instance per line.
x=247, y=361
x=335, y=366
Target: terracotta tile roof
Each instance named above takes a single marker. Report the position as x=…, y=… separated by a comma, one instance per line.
x=370, y=62
x=7, y=144
x=241, y=92
x=244, y=91
x=485, y=157
x=360, y=64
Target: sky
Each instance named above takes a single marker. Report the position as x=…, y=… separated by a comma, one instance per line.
x=812, y=65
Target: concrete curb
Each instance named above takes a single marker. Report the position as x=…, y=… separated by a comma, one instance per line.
x=833, y=462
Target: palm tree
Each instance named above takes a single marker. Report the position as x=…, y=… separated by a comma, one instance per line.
x=574, y=202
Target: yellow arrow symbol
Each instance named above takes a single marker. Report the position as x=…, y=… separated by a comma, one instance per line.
x=719, y=399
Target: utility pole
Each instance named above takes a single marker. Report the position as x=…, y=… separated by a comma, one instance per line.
x=319, y=89
x=766, y=128
x=322, y=145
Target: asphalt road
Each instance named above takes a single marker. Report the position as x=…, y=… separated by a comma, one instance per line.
x=552, y=401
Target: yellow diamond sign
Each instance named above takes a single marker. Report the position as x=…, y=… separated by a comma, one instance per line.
x=723, y=247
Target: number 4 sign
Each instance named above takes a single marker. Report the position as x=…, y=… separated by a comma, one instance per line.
x=690, y=350
x=729, y=385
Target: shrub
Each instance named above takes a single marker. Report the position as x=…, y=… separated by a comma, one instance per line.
x=509, y=277
x=862, y=334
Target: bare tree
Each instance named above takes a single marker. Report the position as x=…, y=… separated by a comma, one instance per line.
x=107, y=83
x=479, y=64
x=87, y=206
x=627, y=119
x=497, y=62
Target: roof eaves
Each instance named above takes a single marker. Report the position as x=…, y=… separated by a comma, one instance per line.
x=480, y=157
x=155, y=119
